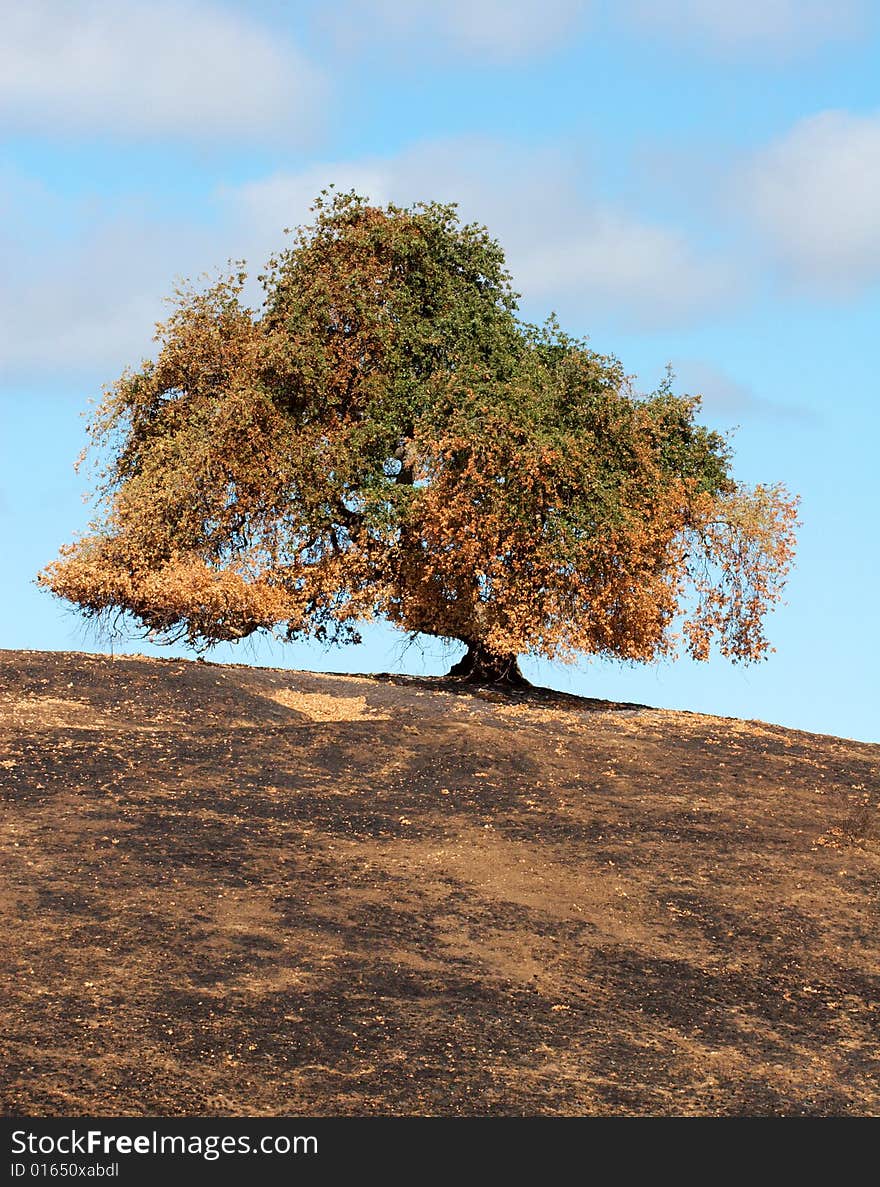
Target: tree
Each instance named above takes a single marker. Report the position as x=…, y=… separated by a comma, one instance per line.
x=385, y=437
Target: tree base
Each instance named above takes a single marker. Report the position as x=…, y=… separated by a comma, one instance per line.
x=478, y=666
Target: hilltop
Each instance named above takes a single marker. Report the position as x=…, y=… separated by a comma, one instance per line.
x=230, y=890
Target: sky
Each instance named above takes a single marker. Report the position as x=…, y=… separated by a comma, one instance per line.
x=690, y=182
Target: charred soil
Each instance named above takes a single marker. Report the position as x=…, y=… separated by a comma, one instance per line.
x=229, y=890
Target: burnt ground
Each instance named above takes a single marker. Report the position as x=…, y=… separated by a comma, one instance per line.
x=242, y=891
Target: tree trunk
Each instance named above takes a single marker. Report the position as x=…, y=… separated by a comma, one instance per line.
x=479, y=666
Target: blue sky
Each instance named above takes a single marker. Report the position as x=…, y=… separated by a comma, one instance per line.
x=685, y=181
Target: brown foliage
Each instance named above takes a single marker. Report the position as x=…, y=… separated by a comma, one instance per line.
x=361, y=449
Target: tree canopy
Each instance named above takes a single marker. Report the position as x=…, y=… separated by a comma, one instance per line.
x=385, y=437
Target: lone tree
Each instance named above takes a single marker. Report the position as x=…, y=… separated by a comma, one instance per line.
x=385, y=437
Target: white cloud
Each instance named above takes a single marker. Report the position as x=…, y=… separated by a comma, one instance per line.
x=498, y=29
x=726, y=401
x=645, y=275
x=82, y=283
x=271, y=204
x=170, y=68
x=83, y=299
x=566, y=249
x=782, y=28
x=814, y=198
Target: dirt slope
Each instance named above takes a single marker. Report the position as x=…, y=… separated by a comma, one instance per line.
x=242, y=891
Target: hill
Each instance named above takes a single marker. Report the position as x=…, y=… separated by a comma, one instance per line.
x=232, y=890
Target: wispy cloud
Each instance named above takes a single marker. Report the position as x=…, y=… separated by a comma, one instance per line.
x=88, y=296
x=82, y=283
x=749, y=28
x=178, y=69
x=502, y=30
x=813, y=197
x=567, y=249
x=727, y=402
